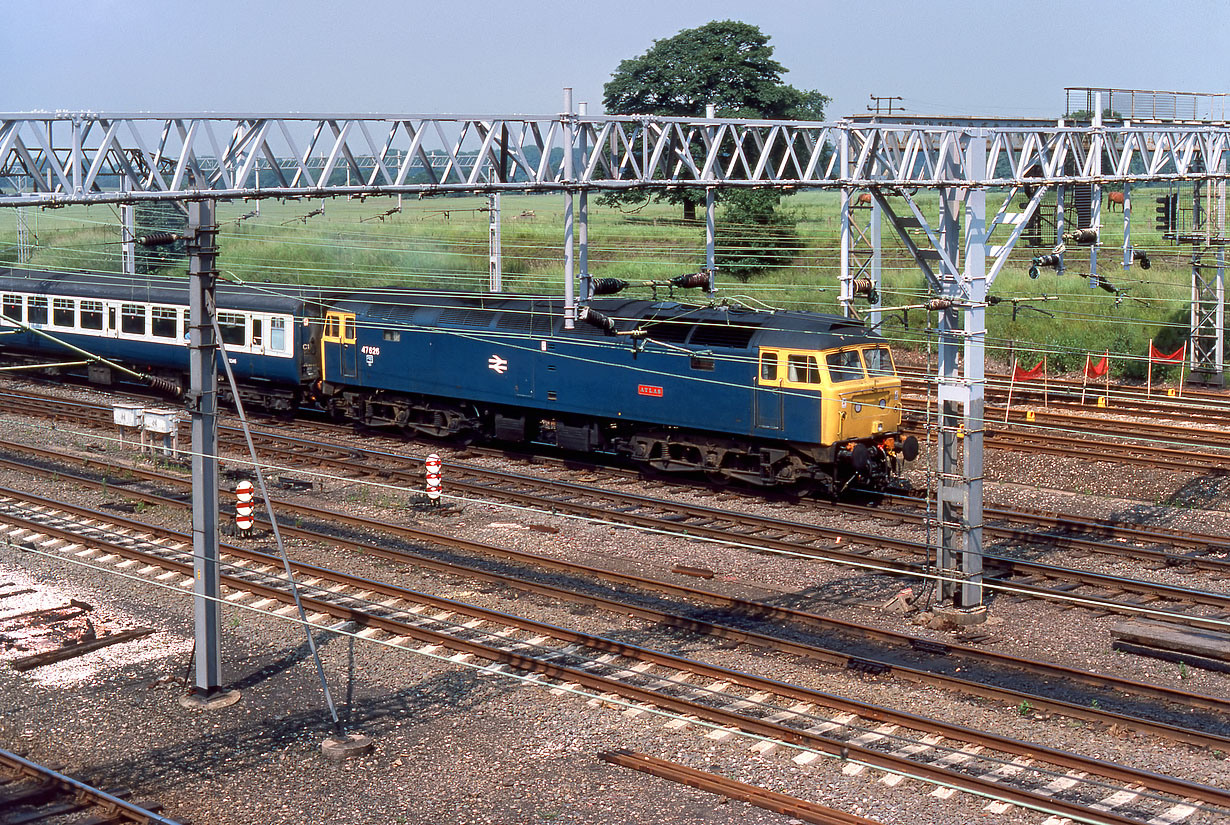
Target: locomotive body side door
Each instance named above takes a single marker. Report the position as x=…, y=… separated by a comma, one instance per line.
x=338, y=344
x=768, y=401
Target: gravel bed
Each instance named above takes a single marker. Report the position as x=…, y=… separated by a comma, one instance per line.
x=455, y=745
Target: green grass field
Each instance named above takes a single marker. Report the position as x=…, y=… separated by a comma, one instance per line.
x=443, y=243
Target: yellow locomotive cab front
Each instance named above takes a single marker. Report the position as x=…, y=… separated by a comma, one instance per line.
x=862, y=395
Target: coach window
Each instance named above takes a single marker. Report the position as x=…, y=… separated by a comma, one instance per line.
x=802, y=369
x=38, y=310
x=92, y=315
x=163, y=322
x=277, y=334
x=12, y=307
x=132, y=319
x=844, y=366
x=64, y=312
x=232, y=325
x=768, y=365
x=257, y=337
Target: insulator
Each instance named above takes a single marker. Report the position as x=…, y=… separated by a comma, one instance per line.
x=598, y=319
x=695, y=280
x=1054, y=260
x=1085, y=236
x=164, y=385
x=1104, y=284
x=607, y=286
x=159, y=238
x=1142, y=258
x=864, y=286
x=936, y=304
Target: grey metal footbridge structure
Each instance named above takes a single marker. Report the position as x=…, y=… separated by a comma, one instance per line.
x=991, y=176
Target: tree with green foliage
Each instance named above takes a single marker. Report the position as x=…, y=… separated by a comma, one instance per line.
x=725, y=63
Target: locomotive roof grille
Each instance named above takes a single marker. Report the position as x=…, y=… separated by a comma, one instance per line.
x=665, y=328
x=398, y=313
x=733, y=336
x=467, y=317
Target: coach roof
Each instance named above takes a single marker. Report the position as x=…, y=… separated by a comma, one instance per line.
x=157, y=289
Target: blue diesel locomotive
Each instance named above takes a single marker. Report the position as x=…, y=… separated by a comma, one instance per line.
x=771, y=398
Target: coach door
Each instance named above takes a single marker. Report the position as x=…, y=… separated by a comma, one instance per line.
x=339, y=342
x=769, y=391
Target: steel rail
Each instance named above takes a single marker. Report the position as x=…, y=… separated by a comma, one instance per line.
x=721, y=717
x=713, y=783
x=115, y=807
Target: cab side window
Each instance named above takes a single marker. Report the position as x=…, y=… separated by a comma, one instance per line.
x=802, y=369
x=768, y=365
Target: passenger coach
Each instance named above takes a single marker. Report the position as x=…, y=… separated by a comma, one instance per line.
x=143, y=323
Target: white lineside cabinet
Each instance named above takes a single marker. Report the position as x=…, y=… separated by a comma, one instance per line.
x=128, y=415
x=160, y=422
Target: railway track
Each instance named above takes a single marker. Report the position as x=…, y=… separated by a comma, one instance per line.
x=1193, y=404
x=807, y=723
x=868, y=551
x=30, y=793
x=1102, y=699
x=1054, y=442
x=861, y=550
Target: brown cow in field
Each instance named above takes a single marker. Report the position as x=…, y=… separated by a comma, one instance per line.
x=1113, y=199
x=864, y=199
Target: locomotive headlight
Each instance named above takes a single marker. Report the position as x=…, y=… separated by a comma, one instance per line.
x=883, y=403
x=858, y=408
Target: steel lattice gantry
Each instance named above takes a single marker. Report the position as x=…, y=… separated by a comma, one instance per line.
x=991, y=176
x=90, y=158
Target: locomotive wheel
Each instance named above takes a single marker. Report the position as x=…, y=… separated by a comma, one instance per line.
x=717, y=478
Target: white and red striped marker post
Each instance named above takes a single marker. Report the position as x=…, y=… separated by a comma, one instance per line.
x=244, y=506
x=435, y=483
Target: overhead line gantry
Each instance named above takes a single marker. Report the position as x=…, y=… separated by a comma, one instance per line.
x=61, y=158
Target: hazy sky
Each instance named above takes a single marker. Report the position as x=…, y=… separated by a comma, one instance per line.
x=942, y=56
